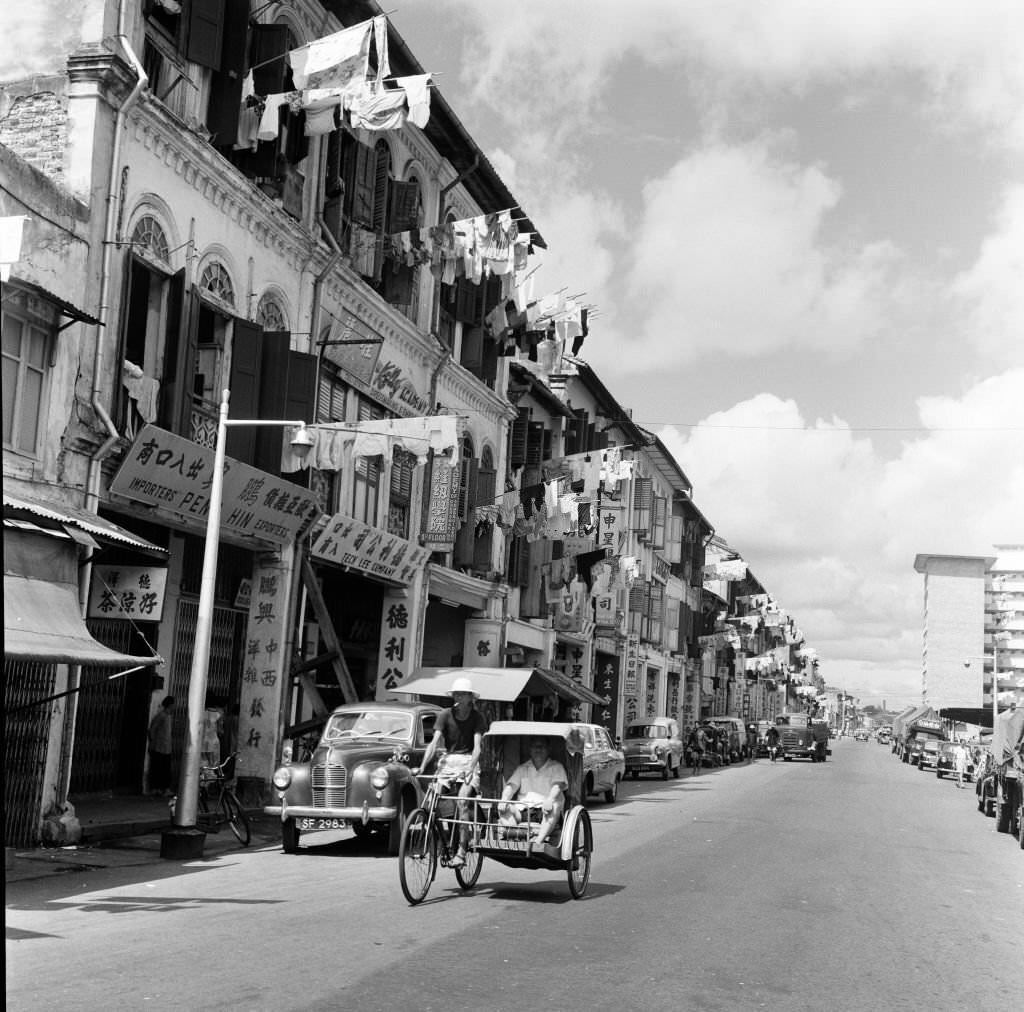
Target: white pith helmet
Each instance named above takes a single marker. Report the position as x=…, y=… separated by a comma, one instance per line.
x=463, y=685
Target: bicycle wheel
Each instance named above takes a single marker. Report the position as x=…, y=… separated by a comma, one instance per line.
x=417, y=857
x=579, y=863
x=467, y=875
x=235, y=814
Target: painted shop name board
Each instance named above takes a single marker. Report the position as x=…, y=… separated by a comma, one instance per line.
x=174, y=475
x=348, y=542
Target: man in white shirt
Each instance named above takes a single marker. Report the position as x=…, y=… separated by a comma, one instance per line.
x=540, y=782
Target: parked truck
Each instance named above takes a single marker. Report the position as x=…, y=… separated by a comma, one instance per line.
x=802, y=738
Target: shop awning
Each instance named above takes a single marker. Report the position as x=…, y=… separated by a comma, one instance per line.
x=80, y=518
x=42, y=622
x=979, y=715
x=502, y=685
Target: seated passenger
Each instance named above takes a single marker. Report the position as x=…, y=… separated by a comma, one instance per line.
x=542, y=781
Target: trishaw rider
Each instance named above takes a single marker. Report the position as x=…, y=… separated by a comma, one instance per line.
x=540, y=781
x=460, y=731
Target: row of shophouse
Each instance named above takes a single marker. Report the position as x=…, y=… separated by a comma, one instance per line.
x=185, y=214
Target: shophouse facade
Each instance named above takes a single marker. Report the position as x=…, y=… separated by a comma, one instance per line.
x=291, y=268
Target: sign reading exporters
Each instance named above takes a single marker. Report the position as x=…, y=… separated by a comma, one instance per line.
x=174, y=475
x=348, y=542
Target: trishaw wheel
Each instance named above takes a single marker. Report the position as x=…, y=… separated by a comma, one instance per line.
x=417, y=857
x=580, y=858
x=467, y=875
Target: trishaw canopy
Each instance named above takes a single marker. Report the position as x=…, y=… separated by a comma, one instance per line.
x=569, y=733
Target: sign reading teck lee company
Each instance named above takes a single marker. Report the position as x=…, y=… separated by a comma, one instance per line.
x=174, y=475
x=348, y=542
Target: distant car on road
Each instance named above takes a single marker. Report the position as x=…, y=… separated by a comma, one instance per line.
x=861, y=734
x=604, y=765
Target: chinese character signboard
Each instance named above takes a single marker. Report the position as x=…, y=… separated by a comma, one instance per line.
x=348, y=542
x=606, y=685
x=263, y=661
x=632, y=649
x=394, y=655
x=135, y=592
x=174, y=475
x=611, y=525
x=443, y=507
x=358, y=360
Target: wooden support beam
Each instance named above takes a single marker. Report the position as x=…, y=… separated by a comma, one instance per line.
x=330, y=637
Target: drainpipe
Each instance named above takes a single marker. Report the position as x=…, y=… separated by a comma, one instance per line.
x=93, y=477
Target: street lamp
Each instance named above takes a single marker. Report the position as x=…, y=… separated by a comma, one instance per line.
x=184, y=839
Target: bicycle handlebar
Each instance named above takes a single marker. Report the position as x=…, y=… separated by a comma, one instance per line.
x=219, y=769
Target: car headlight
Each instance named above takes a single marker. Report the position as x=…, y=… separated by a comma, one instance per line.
x=282, y=778
x=380, y=777
x=658, y=750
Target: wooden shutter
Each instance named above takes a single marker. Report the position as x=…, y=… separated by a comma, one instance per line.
x=246, y=357
x=642, y=495
x=466, y=537
x=675, y=540
x=473, y=349
x=269, y=71
x=170, y=383
x=517, y=436
x=534, y=442
x=403, y=206
x=206, y=32
x=364, y=176
x=658, y=521
x=226, y=83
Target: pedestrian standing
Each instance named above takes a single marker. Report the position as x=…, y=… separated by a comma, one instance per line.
x=960, y=763
x=159, y=733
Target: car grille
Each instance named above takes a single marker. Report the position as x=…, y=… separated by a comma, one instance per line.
x=330, y=785
x=791, y=738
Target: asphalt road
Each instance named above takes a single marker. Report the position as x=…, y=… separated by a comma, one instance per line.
x=857, y=884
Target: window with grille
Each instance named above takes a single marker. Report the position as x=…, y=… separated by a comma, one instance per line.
x=367, y=472
x=400, y=498
x=29, y=329
x=330, y=407
x=149, y=239
x=270, y=316
x=216, y=281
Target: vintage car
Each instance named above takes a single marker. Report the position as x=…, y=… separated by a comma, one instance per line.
x=359, y=774
x=604, y=765
x=653, y=746
x=929, y=757
x=945, y=761
x=861, y=734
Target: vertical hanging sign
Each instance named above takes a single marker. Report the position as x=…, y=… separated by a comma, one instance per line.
x=443, y=505
x=393, y=654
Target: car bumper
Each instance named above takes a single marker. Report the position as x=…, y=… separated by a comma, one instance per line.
x=351, y=813
x=641, y=763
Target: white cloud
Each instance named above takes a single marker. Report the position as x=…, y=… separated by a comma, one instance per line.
x=992, y=288
x=967, y=56
x=729, y=258
x=832, y=529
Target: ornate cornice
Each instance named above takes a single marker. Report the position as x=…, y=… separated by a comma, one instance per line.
x=219, y=183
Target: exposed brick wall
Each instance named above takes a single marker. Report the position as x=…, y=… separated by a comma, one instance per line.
x=35, y=127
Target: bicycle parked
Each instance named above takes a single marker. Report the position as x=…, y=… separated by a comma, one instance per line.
x=215, y=780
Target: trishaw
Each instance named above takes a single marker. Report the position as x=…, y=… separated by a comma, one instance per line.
x=432, y=832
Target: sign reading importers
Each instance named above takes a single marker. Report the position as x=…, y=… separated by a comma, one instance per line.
x=356, y=545
x=174, y=475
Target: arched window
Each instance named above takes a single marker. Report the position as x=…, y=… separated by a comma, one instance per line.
x=217, y=282
x=269, y=314
x=149, y=239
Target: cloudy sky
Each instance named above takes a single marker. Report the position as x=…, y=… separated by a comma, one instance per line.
x=805, y=237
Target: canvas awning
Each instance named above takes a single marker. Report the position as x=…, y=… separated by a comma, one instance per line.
x=979, y=715
x=42, y=622
x=502, y=685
